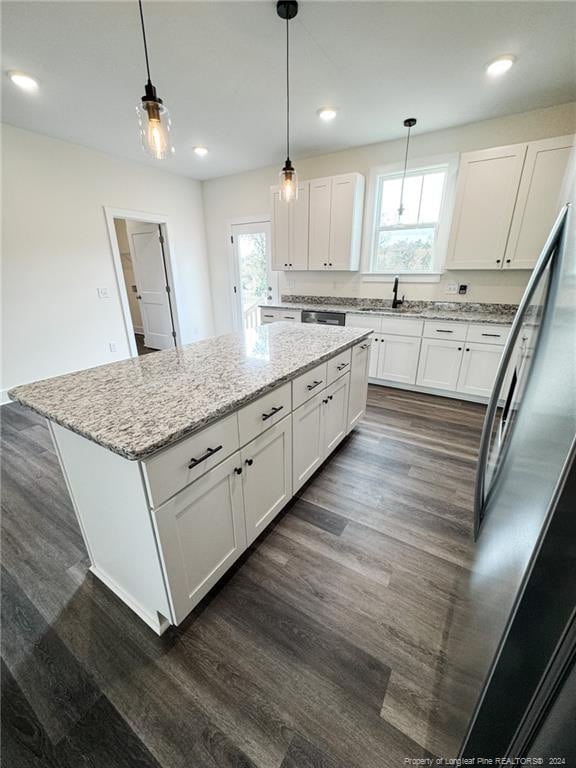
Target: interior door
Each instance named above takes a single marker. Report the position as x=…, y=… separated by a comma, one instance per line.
x=153, y=291
x=254, y=281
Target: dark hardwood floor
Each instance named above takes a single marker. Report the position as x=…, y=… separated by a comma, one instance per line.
x=323, y=648
x=140, y=346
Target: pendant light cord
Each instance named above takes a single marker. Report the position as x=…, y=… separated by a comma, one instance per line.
x=144, y=38
x=401, y=208
x=287, y=88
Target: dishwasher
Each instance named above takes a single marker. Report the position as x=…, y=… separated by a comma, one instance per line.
x=324, y=318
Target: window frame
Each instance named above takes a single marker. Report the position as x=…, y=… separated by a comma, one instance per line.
x=447, y=163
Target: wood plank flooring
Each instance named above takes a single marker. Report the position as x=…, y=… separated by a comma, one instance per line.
x=324, y=647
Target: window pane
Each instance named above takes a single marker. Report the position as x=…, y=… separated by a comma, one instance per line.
x=390, y=200
x=404, y=250
x=431, y=197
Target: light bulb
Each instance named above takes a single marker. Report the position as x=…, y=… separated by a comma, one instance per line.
x=155, y=125
x=288, y=183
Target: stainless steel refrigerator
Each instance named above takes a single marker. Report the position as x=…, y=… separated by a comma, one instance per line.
x=510, y=645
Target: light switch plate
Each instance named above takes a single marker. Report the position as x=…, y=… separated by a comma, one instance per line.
x=452, y=288
x=104, y=293
x=113, y=346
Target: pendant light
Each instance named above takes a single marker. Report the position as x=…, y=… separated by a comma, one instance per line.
x=409, y=123
x=153, y=116
x=287, y=10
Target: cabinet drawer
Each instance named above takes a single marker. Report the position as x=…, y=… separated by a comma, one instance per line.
x=371, y=322
x=268, y=316
x=488, y=334
x=339, y=365
x=171, y=470
x=403, y=326
x=307, y=385
x=290, y=314
x=433, y=329
x=253, y=419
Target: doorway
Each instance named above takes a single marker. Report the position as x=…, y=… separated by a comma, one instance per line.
x=254, y=281
x=144, y=277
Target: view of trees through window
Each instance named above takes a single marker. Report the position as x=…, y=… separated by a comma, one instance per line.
x=253, y=271
x=405, y=243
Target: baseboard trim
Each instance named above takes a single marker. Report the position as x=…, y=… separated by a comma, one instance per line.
x=450, y=394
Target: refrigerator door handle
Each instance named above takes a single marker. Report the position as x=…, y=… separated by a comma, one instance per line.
x=544, y=260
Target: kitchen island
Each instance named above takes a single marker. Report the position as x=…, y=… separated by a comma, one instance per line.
x=175, y=462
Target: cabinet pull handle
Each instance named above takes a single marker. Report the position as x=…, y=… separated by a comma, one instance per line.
x=325, y=401
x=268, y=315
x=274, y=410
x=330, y=397
x=495, y=335
x=443, y=330
x=249, y=462
x=237, y=470
x=288, y=317
x=341, y=366
x=364, y=346
x=209, y=452
x=313, y=385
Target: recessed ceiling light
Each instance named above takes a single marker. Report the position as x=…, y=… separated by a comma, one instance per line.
x=201, y=151
x=327, y=114
x=23, y=81
x=500, y=65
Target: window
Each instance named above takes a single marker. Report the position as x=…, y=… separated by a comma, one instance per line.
x=408, y=243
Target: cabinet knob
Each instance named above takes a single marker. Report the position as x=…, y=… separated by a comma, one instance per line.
x=237, y=470
x=508, y=261
x=459, y=349
x=467, y=349
x=325, y=401
x=330, y=397
x=498, y=261
x=325, y=264
x=249, y=462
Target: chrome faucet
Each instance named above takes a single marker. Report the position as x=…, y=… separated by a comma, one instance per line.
x=396, y=302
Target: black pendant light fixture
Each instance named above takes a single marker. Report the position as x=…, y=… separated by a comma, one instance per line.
x=409, y=123
x=287, y=10
x=153, y=116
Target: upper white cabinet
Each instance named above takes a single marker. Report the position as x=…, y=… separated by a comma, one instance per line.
x=485, y=197
x=506, y=201
x=538, y=200
x=322, y=229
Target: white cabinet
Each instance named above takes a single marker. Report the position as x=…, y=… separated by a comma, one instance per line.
x=439, y=364
x=398, y=358
x=485, y=198
x=273, y=315
x=290, y=230
x=317, y=428
x=200, y=533
x=267, y=476
x=478, y=370
x=538, y=201
x=321, y=230
x=358, y=382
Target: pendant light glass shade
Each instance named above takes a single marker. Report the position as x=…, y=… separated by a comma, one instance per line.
x=154, y=121
x=288, y=183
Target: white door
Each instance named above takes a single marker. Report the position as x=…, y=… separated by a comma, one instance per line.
x=319, y=225
x=152, y=283
x=201, y=532
x=358, y=382
x=398, y=358
x=254, y=281
x=439, y=363
x=307, y=440
x=267, y=476
x=479, y=366
x=486, y=193
x=539, y=200
x=335, y=413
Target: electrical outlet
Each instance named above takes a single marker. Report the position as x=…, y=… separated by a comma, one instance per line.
x=104, y=293
x=452, y=288
x=463, y=288
x=112, y=346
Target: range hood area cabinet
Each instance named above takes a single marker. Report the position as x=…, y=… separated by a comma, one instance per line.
x=507, y=199
x=322, y=229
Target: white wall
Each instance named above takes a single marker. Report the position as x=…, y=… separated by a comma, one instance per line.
x=247, y=194
x=56, y=253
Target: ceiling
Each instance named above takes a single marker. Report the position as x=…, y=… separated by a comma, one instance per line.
x=219, y=66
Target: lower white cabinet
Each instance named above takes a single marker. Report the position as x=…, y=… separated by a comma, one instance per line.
x=439, y=363
x=398, y=358
x=266, y=477
x=335, y=413
x=358, y=382
x=201, y=532
x=478, y=369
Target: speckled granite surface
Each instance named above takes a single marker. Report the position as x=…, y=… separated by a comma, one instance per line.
x=468, y=312
x=137, y=406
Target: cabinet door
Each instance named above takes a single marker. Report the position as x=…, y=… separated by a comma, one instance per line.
x=478, y=370
x=280, y=232
x=485, y=197
x=267, y=476
x=398, y=358
x=307, y=440
x=319, y=225
x=299, y=216
x=538, y=200
x=345, y=221
x=358, y=383
x=335, y=401
x=201, y=532
x=439, y=363
x=373, y=360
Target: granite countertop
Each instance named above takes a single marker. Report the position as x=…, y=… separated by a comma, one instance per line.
x=453, y=311
x=137, y=406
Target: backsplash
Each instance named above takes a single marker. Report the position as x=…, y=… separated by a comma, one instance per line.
x=373, y=303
